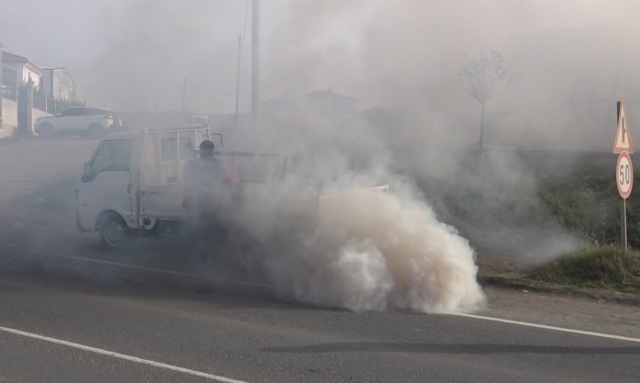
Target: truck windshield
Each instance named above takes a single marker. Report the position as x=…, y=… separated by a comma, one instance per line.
x=112, y=155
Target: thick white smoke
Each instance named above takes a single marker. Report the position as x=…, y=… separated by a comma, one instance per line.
x=363, y=249
x=330, y=235
x=423, y=264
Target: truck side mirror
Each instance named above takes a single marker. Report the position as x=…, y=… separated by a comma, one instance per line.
x=86, y=173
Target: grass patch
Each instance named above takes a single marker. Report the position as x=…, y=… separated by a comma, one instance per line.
x=607, y=267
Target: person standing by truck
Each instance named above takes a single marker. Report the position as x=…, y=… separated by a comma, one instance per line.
x=205, y=196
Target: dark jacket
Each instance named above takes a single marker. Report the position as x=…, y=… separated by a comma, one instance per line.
x=204, y=184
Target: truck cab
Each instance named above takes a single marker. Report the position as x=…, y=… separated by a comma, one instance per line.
x=132, y=181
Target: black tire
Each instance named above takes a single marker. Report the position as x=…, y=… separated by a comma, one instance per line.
x=95, y=130
x=114, y=232
x=45, y=130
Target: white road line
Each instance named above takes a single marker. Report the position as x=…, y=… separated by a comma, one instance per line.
x=519, y=323
x=121, y=356
x=553, y=328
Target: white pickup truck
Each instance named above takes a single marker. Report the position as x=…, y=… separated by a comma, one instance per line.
x=132, y=181
x=132, y=184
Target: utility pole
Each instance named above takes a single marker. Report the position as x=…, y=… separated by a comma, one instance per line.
x=255, y=64
x=1, y=90
x=184, y=98
x=238, y=82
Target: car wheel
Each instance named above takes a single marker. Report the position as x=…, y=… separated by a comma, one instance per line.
x=96, y=130
x=113, y=231
x=45, y=130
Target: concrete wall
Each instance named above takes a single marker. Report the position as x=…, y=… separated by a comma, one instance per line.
x=9, y=117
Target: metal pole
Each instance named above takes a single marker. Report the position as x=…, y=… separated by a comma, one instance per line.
x=238, y=81
x=184, y=97
x=255, y=63
x=623, y=220
x=28, y=108
x=1, y=90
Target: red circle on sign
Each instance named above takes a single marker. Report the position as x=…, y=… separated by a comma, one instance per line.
x=624, y=175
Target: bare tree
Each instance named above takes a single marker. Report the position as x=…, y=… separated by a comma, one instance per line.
x=485, y=75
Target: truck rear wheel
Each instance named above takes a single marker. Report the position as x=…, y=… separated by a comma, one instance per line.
x=113, y=231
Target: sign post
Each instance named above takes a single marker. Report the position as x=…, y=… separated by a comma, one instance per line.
x=624, y=168
x=624, y=181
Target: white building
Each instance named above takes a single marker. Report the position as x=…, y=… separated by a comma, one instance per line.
x=19, y=70
x=58, y=84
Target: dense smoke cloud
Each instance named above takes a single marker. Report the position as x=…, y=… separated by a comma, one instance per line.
x=365, y=250
x=159, y=51
x=569, y=62
x=408, y=48
x=328, y=236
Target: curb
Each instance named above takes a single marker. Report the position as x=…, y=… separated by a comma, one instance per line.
x=552, y=288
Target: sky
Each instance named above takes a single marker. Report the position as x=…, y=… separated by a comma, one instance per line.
x=407, y=54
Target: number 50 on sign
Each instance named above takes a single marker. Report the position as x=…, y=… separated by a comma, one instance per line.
x=624, y=175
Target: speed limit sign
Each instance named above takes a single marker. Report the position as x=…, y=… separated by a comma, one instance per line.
x=624, y=175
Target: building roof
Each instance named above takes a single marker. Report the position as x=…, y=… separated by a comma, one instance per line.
x=8, y=57
x=61, y=68
x=11, y=57
x=326, y=94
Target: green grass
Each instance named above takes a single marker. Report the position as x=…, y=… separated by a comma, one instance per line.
x=607, y=267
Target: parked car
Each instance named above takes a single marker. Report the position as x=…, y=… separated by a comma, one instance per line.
x=198, y=120
x=94, y=122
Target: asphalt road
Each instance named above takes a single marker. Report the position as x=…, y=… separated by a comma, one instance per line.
x=72, y=313
x=252, y=336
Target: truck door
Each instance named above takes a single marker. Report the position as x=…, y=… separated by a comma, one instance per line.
x=106, y=184
x=164, y=157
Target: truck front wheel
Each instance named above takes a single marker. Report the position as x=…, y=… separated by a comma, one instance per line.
x=113, y=231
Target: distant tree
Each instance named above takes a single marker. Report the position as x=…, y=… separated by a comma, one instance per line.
x=484, y=75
